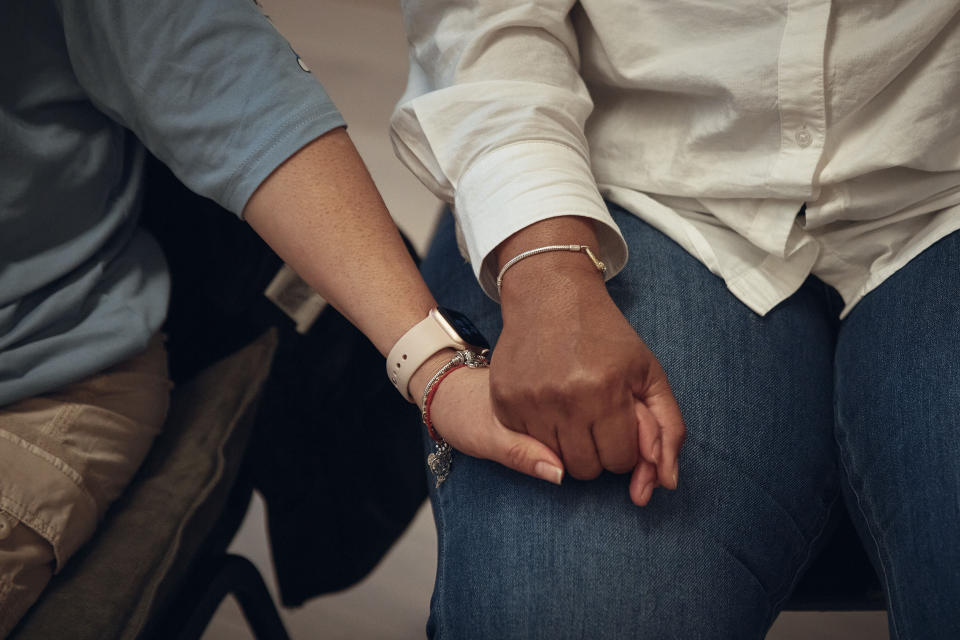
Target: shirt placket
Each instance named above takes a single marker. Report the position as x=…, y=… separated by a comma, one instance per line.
x=801, y=103
x=801, y=98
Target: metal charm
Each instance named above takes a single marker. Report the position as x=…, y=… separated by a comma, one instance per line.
x=439, y=461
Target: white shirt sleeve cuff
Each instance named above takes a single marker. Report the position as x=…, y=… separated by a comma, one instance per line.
x=519, y=184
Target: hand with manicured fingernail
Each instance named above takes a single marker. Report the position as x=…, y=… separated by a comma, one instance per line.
x=461, y=412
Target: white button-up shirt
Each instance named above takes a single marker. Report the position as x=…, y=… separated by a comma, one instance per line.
x=714, y=122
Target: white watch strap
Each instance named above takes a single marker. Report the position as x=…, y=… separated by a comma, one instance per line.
x=424, y=339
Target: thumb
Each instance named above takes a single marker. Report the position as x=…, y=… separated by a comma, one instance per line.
x=525, y=454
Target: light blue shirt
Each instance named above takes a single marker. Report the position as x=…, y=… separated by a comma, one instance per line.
x=208, y=86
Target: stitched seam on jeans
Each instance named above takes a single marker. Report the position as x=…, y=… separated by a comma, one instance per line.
x=824, y=520
x=887, y=582
x=756, y=482
x=820, y=526
x=740, y=561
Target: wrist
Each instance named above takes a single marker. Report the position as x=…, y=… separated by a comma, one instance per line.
x=550, y=274
x=551, y=271
x=442, y=330
x=430, y=366
x=548, y=294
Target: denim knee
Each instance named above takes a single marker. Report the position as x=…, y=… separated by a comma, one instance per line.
x=714, y=559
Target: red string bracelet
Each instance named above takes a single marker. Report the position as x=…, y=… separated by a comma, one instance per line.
x=429, y=398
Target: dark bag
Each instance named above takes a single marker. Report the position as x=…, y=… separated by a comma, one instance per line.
x=336, y=451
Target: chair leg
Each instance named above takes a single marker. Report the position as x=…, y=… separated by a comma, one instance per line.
x=255, y=600
x=233, y=574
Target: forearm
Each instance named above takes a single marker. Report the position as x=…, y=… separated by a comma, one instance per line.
x=321, y=213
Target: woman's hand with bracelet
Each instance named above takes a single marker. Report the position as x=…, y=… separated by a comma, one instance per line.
x=461, y=413
x=321, y=213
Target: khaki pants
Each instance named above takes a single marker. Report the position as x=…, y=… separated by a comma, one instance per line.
x=64, y=457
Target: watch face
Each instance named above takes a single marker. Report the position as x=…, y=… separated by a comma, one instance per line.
x=464, y=328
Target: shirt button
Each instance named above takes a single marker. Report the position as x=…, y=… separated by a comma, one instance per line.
x=803, y=138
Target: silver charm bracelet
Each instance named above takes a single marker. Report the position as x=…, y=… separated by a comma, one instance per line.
x=440, y=460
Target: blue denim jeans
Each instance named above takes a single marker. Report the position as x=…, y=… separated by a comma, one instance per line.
x=766, y=400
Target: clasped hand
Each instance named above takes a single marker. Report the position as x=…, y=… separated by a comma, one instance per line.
x=571, y=385
x=571, y=371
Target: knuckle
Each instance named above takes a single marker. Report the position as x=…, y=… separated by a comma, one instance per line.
x=542, y=396
x=585, y=471
x=619, y=468
x=524, y=394
x=621, y=464
x=583, y=383
x=543, y=430
x=612, y=377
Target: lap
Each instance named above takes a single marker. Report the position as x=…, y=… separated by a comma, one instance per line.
x=520, y=558
x=65, y=457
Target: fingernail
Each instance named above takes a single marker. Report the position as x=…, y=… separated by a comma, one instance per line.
x=548, y=472
x=657, y=447
x=676, y=475
x=646, y=494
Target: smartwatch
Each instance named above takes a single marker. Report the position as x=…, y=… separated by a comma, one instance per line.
x=441, y=328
